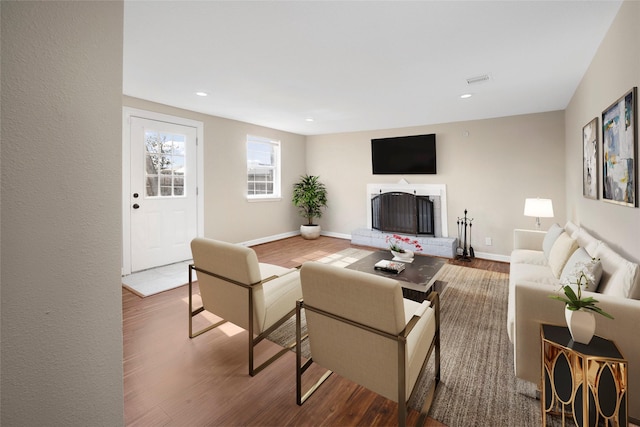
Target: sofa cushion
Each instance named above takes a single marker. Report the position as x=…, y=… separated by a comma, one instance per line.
x=620, y=277
x=550, y=238
x=585, y=240
x=532, y=273
x=560, y=252
x=572, y=230
x=580, y=260
x=528, y=256
x=627, y=276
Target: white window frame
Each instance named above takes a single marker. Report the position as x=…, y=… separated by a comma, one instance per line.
x=276, y=147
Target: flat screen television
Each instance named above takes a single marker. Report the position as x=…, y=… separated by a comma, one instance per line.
x=402, y=155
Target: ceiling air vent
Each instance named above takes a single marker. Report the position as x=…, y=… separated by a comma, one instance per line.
x=478, y=79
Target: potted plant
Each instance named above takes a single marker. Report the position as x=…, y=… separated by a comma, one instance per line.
x=310, y=197
x=579, y=311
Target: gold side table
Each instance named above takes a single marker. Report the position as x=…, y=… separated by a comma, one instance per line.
x=585, y=384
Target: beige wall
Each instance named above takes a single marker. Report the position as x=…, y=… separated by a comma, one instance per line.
x=61, y=348
x=489, y=172
x=61, y=216
x=228, y=214
x=614, y=71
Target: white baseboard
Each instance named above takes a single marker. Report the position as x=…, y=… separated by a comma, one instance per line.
x=492, y=257
x=275, y=237
x=337, y=235
x=272, y=238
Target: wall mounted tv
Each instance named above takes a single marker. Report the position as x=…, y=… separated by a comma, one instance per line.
x=402, y=155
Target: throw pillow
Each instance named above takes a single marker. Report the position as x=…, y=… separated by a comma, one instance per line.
x=562, y=249
x=624, y=275
x=550, y=238
x=579, y=261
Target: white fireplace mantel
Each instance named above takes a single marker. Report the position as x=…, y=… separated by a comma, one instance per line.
x=417, y=189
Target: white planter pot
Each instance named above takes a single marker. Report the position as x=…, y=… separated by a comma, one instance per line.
x=406, y=255
x=310, y=232
x=582, y=325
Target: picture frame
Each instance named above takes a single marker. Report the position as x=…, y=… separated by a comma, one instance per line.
x=619, y=151
x=590, y=178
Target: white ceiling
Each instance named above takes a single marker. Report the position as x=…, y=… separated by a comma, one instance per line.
x=360, y=65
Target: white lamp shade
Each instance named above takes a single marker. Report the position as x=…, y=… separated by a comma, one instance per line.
x=539, y=208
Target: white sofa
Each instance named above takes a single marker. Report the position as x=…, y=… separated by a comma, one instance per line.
x=535, y=257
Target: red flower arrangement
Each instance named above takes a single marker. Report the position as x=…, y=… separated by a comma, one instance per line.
x=395, y=241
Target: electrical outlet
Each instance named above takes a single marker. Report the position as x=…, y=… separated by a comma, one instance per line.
x=488, y=241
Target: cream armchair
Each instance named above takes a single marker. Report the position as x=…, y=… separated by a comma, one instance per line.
x=360, y=327
x=233, y=285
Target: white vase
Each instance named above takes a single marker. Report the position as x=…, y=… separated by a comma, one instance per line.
x=407, y=255
x=582, y=325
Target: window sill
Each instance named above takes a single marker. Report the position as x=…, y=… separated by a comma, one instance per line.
x=263, y=199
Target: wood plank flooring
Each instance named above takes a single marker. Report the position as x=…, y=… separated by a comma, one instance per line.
x=171, y=380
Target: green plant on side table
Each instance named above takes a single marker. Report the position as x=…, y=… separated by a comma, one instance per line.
x=310, y=197
x=578, y=310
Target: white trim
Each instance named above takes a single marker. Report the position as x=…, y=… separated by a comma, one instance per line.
x=127, y=114
x=420, y=190
x=272, y=238
x=252, y=199
x=281, y=236
x=336, y=235
x=492, y=257
x=277, y=182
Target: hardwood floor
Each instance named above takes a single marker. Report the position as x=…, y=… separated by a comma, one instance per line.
x=171, y=380
x=483, y=264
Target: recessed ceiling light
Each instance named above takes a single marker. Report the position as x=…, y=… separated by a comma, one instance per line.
x=309, y=119
x=466, y=95
x=202, y=93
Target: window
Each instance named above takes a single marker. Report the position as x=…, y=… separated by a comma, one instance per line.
x=263, y=168
x=164, y=164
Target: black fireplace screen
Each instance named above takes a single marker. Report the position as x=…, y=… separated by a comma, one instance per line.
x=400, y=212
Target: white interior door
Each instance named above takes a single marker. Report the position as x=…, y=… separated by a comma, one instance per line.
x=163, y=203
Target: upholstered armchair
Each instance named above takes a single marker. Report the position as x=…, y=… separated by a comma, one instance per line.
x=233, y=285
x=360, y=327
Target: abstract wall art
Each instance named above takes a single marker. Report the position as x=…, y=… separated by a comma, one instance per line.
x=619, y=151
x=590, y=159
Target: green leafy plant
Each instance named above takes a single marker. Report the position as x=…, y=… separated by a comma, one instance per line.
x=310, y=197
x=574, y=300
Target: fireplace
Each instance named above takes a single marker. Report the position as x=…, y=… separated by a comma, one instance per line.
x=401, y=212
x=436, y=243
x=435, y=193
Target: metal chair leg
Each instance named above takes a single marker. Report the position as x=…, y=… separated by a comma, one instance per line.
x=254, y=342
x=193, y=313
x=300, y=367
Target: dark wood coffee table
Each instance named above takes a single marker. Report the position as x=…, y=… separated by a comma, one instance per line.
x=418, y=277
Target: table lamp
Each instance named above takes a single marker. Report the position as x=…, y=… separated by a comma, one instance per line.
x=538, y=208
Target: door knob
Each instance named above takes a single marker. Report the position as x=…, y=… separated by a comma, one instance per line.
x=136, y=206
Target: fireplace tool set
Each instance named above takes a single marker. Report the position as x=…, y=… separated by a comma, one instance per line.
x=465, y=250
